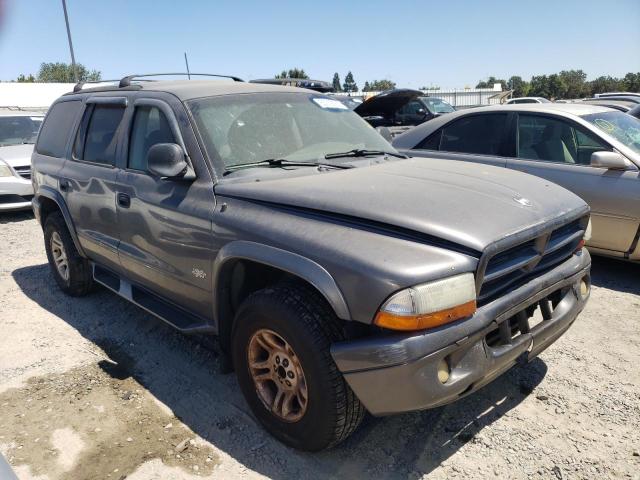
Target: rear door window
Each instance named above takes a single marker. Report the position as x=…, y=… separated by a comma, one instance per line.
x=55, y=132
x=480, y=134
x=150, y=127
x=97, y=138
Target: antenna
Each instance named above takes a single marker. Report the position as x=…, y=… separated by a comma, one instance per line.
x=187, y=64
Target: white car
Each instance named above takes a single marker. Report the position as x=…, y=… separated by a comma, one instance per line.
x=18, y=131
x=528, y=100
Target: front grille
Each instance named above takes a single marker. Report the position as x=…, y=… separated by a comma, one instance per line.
x=24, y=172
x=513, y=267
x=525, y=320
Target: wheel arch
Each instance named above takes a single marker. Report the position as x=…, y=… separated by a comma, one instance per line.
x=254, y=266
x=48, y=201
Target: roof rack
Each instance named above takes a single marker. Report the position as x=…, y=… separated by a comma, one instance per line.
x=126, y=81
x=80, y=85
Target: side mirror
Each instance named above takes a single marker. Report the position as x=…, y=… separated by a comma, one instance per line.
x=609, y=160
x=167, y=160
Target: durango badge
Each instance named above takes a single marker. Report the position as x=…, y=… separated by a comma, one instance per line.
x=523, y=201
x=198, y=273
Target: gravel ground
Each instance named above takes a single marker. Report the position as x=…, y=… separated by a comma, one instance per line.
x=95, y=388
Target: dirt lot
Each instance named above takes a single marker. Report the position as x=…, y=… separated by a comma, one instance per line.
x=95, y=388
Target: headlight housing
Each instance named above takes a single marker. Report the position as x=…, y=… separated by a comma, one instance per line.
x=430, y=304
x=5, y=171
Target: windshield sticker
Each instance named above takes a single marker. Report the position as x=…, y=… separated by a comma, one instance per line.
x=605, y=125
x=330, y=104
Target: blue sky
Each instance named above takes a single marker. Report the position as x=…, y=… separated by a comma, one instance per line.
x=449, y=43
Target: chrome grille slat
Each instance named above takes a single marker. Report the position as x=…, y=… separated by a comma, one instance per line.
x=514, y=266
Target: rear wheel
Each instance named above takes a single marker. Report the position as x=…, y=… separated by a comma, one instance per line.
x=71, y=271
x=280, y=347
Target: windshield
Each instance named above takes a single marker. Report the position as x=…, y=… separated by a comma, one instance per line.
x=249, y=128
x=437, y=105
x=19, y=130
x=622, y=127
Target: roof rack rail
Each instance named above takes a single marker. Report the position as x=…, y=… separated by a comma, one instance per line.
x=126, y=81
x=80, y=85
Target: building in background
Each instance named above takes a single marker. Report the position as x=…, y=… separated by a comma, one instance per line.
x=31, y=96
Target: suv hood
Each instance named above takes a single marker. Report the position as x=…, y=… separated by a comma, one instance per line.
x=471, y=205
x=386, y=103
x=17, y=155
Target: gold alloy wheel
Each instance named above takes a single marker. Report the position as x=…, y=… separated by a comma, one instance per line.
x=277, y=375
x=59, y=256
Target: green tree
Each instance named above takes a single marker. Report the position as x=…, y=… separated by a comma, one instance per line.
x=381, y=85
x=631, y=82
x=557, y=87
x=367, y=87
x=293, y=73
x=349, y=83
x=63, y=73
x=336, y=82
x=539, y=86
x=605, y=84
x=574, y=81
x=26, y=79
x=519, y=86
x=490, y=82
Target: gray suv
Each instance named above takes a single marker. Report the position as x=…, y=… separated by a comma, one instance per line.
x=339, y=276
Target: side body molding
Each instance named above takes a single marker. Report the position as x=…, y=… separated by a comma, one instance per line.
x=290, y=262
x=55, y=196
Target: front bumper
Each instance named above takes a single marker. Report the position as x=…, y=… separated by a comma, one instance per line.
x=399, y=373
x=15, y=194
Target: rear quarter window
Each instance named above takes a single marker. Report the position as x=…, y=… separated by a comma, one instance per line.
x=57, y=128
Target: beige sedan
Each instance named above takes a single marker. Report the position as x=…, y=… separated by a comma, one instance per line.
x=591, y=150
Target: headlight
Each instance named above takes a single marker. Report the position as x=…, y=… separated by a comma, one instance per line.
x=430, y=304
x=5, y=171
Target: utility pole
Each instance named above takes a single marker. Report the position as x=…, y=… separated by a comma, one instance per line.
x=187, y=63
x=73, y=58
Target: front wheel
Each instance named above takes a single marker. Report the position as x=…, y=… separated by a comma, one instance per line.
x=281, y=342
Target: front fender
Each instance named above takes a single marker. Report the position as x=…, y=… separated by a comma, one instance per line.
x=287, y=261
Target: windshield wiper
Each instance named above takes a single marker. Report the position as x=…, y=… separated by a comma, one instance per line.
x=283, y=162
x=361, y=152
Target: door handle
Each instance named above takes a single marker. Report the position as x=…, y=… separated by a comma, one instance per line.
x=124, y=200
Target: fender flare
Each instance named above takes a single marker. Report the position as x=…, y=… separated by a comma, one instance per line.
x=56, y=197
x=290, y=262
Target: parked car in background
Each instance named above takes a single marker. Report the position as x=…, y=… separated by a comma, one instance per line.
x=339, y=275
x=622, y=105
x=593, y=151
x=527, y=100
x=617, y=94
x=18, y=131
x=626, y=97
x=401, y=108
x=635, y=111
x=315, y=85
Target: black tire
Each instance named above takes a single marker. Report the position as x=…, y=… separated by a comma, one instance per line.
x=80, y=279
x=302, y=317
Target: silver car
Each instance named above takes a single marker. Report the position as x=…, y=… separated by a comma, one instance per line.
x=591, y=150
x=18, y=131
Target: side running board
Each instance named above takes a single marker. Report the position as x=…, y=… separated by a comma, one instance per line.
x=177, y=317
